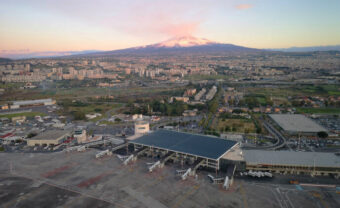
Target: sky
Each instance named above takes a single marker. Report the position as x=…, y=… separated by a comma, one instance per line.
x=28, y=26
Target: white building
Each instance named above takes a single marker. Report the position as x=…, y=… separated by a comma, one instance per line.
x=142, y=127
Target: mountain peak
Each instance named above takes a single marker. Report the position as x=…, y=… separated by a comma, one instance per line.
x=183, y=41
x=183, y=44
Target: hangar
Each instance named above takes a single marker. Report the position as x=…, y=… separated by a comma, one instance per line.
x=206, y=149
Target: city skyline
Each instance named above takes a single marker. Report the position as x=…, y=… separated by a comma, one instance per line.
x=39, y=26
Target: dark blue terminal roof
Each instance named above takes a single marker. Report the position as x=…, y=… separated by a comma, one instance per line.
x=191, y=144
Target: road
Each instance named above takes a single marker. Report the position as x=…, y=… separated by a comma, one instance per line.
x=276, y=134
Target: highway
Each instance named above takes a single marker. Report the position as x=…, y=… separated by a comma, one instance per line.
x=282, y=140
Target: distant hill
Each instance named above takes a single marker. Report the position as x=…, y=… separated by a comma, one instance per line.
x=4, y=60
x=309, y=49
x=46, y=54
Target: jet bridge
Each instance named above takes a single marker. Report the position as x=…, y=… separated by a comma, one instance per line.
x=155, y=165
x=103, y=153
x=126, y=158
x=215, y=180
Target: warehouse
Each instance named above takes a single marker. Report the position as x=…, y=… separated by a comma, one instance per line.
x=51, y=137
x=185, y=145
x=297, y=124
x=289, y=162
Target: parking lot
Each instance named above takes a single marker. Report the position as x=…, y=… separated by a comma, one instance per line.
x=78, y=179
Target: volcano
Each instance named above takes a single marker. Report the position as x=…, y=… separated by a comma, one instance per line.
x=178, y=45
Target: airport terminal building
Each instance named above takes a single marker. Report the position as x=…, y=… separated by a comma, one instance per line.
x=290, y=162
x=220, y=154
x=204, y=150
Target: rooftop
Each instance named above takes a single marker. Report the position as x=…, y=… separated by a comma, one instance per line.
x=51, y=135
x=296, y=123
x=191, y=144
x=290, y=158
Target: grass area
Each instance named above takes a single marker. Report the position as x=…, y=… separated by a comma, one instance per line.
x=272, y=92
x=94, y=108
x=262, y=100
x=27, y=114
x=108, y=122
x=306, y=90
x=318, y=110
x=321, y=89
x=206, y=121
x=236, y=125
x=84, y=92
x=10, y=85
x=197, y=77
x=98, y=118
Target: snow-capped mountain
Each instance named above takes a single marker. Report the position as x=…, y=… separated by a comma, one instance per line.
x=177, y=45
x=185, y=41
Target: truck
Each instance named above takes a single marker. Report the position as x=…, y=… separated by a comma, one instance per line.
x=294, y=182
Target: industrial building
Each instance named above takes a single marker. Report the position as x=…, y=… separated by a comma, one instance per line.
x=289, y=162
x=295, y=124
x=51, y=137
x=198, y=149
x=29, y=103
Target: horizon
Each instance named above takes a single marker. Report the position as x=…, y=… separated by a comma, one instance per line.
x=27, y=54
x=66, y=26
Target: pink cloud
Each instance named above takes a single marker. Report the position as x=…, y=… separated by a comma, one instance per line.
x=243, y=6
x=163, y=18
x=139, y=18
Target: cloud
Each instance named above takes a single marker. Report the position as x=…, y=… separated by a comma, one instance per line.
x=136, y=17
x=162, y=23
x=244, y=6
x=165, y=18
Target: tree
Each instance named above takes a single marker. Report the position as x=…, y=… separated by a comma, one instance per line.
x=322, y=134
x=258, y=130
x=213, y=106
x=227, y=128
x=237, y=111
x=246, y=130
x=269, y=101
x=32, y=134
x=79, y=115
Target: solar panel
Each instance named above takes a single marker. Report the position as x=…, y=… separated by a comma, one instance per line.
x=192, y=144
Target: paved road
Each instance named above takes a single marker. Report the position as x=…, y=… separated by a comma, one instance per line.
x=276, y=134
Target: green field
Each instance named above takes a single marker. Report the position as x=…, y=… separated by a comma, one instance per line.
x=109, y=123
x=319, y=110
x=236, y=125
x=321, y=89
x=285, y=91
x=95, y=108
x=27, y=114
